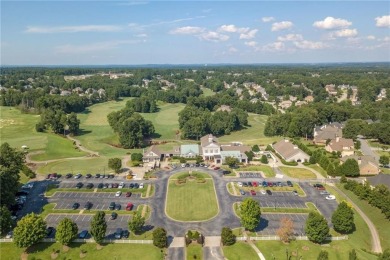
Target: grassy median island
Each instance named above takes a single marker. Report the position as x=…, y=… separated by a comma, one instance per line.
x=191, y=198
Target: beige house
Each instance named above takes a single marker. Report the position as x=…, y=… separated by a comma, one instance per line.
x=152, y=154
x=290, y=152
x=327, y=132
x=343, y=145
x=210, y=147
x=367, y=164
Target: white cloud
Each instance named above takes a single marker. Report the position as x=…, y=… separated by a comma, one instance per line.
x=281, y=26
x=268, y=19
x=134, y=3
x=371, y=37
x=187, y=30
x=290, y=37
x=309, y=45
x=344, y=33
x=251, y=44
x=250, y=35
x=385, y=39
x=98, y=46
x=73, y=29
x=331, y=23
x=141, y=35
x=383, y=21
x=213, y=36
x=231, y=28
x=275, y=46
x=232, y=50
x=207, y=10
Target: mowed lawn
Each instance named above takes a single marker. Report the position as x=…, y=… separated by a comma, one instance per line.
x=9, y=251
x=85, y=165
x=19, y=129
x=298, y=173
x=166, y=120
x=239, y=251
x=253, y=134
x=191, y=201
x=194, y=251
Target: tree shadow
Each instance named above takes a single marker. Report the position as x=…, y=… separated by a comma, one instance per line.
x=83, y=132
x=262, y=225
x=155, y=135
x=169, y=240
x=40, y=247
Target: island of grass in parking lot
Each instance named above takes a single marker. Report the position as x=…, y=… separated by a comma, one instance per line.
x=193, y=199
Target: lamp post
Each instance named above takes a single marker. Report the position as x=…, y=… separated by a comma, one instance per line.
x=286, y=254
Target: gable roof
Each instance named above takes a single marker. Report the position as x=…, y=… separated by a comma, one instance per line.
x=208, y=139
x=364, y=160
x=339, y=144
x=380, y=179
x=189, y=149
x=152, y=152
x=287, y=149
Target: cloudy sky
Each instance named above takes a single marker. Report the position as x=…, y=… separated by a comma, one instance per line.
x=187, y=32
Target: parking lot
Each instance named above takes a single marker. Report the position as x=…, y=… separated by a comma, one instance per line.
x=71, y=183
x=270, y=223
x=83, y=222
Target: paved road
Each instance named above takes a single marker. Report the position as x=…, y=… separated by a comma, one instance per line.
x=176, y=253
x=213, y=253
x=366, y=149
x=376, y=243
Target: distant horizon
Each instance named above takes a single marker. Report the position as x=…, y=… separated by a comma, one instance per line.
x=52, y=33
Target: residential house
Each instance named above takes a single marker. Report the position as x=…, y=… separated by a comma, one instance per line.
x=327, y=132
x=300, y=103
x=101, y=92
x=65, y=93
x=152, y=154
x=367, y=164
x=309, y=99
x=381, y=95
x=210, y=147
x=290, y=152
x=342, y=145
x=331, y=89
x=285, y=104
x=224, y=108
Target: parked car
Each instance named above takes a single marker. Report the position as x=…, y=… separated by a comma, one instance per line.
x=121, y=185
x=89, y=186
x=239, y=184
x=79, y=185
x=68, y=175
x=125, y=233
x=88, y=175
x=131, y=185
x=118, y=206
x=263, y=192
x=330, y=197
x=242, y=192
x=136, y=185
x=253, y=193
x=88, y=205
x=49, y=231
x=280, y=184
x=295, y=192
x=141, y=185
x=250, y=184
x=289, y=183
x=97, y=175
x=265, y=184
x=269, y=192
x=254, y=184
x=76, y=205
x=118, y=233
x=324, y=192
x=128, y=194
x=83, y=234
x=115, y=185
x=114, y=215
x=112, y=206
x=129, y=206
x=77, y=176
x=118, y=194
x=100, y=186
x=270, y=184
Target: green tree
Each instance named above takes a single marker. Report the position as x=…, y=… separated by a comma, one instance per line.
x=350, y=168
x=384, y=160
x=11, y=162
x=342, y=219
x=352, y=255
x=73, y=123
x=6, y=222
x=136, y=223
x=66, y=231
x=231, y=161
x=160, y=239
x=136, y=157
x=385, y=255
x=316, y=227
x=357, y=145
x=98, y=226
x=250, y=213
x=323, y=255
x=227, y=237
x=29, y=230
x=115, y=164
x=255, y=148
x=264, y=159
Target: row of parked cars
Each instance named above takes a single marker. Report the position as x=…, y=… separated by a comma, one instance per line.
x=264, y=184
x=120, y=185
x=323, y=191
x=55, y=176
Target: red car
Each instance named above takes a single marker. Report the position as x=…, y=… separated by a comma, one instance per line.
x=255, y=184
x=270, y=184
x=253, y=193
x=216, y=168
x=128, y=194
x=129, y=206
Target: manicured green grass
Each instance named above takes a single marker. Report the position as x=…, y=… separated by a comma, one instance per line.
x=298, y=173
x=191, y=201
x=186, y=174
x=239, y=251
x=19, y=129
x=267, y=170
x=83, y=166
x=194, y=251
x=51, y=189
x=254, y=134
x=378, y=219
x=318, y=169
x=166, y=120
x=109, y=251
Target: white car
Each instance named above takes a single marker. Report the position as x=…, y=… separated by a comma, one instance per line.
x=121, y=185
x=118, y=194
x=330, y=197
x=141, y=185
x=239, y=184
x=263, y=192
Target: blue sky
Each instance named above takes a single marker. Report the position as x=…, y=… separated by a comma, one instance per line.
x=187, y=32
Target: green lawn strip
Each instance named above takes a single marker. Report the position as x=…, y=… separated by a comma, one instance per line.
x=318, y=169
x=296, y=187
x=82, y=165
x=9, y=251
x=193, y=173
x=239, y=251
x=23, y=178
x=52, y=188
x=148, y=211
x=337, y=250
x=188, y=201
x=230, y=188
x=145, y=189
x=377, y=218
x=298, y=173
x=253, y=134
x=267, y=170
x=194, y=251
x=236, y=208
x=145, y=235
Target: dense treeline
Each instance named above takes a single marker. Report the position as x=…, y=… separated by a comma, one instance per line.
x=378, y=197
x=300, y=121
x=142, y=105
x=131, y=127
x=196, y=122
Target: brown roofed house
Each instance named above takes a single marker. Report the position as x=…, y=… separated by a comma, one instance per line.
x=367, y=164
x=343, y=145
x=290, y=152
